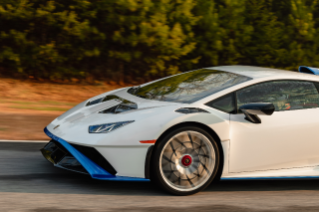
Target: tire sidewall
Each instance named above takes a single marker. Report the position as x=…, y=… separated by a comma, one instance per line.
x=157, y=177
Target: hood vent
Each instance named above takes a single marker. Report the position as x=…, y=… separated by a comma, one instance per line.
x=189, y=110
x=104, y=99
x=123, y=106
x=120, y=109
x=95, y=101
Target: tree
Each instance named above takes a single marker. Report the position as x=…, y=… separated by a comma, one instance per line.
x=148, y=37
x=264, y=46
x=221, y=32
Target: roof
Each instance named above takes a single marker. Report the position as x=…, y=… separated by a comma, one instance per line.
x=260, y=72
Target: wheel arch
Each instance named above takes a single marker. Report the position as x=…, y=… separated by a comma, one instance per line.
x=183, y=124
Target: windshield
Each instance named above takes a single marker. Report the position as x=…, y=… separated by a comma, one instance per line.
x=190, y=86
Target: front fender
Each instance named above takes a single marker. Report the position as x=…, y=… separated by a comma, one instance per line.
x=218, y=121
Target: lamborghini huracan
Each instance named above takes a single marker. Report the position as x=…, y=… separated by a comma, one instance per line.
x=184, y=131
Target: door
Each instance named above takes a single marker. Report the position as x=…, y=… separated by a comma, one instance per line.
x=286, y=139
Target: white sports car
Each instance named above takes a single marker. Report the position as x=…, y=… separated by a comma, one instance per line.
x=184, y=131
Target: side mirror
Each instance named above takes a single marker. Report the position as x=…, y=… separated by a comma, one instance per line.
x=252, y=110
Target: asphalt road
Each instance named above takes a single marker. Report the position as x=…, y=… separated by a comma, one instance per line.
x=29, y=183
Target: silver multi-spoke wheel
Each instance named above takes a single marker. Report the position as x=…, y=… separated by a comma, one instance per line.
x=187, y=161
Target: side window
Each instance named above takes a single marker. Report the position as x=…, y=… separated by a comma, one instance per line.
x=225, y=103
x=285, y=95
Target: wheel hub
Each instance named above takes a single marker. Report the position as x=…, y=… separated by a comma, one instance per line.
x=186, y=160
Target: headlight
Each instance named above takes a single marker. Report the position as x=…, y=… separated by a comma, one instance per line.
x=105, y=128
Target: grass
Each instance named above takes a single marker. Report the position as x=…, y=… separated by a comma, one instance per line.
x=38, y=102
x=39, y=108
x=37, y=105
x=57, y=103
x=19, y=95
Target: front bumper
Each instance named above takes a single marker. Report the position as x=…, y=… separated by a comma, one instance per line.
x=66, y=156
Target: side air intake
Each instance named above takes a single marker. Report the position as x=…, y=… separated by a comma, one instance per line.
x=308, y=70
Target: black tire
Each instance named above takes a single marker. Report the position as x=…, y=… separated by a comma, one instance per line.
x=192, y=165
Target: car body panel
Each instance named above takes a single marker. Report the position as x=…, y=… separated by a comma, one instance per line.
x=245, y=155
x=92, y=168
x=286, y=139
x=293, y=173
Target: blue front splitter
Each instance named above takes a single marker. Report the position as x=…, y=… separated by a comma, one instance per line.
x=92, y=168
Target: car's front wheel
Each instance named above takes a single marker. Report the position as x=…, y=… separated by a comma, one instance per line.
x=185, y=161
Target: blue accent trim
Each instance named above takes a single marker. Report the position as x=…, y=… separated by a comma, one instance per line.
x=92, y=168
x=315, y=71
x=270, y=178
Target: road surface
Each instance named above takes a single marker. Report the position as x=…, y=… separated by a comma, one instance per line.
x=30, y=183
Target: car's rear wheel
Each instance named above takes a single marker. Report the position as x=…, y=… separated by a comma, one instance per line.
x=185, y=161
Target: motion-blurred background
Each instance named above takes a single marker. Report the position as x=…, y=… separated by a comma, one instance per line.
x=54, y=54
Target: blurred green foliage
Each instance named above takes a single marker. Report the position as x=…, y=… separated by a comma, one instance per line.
x=137, y=40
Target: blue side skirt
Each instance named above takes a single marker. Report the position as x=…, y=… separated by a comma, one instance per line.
x=92, y=168
x=99, y=173
x=271, y=178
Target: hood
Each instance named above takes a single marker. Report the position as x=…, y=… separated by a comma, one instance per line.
x=94, y=111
